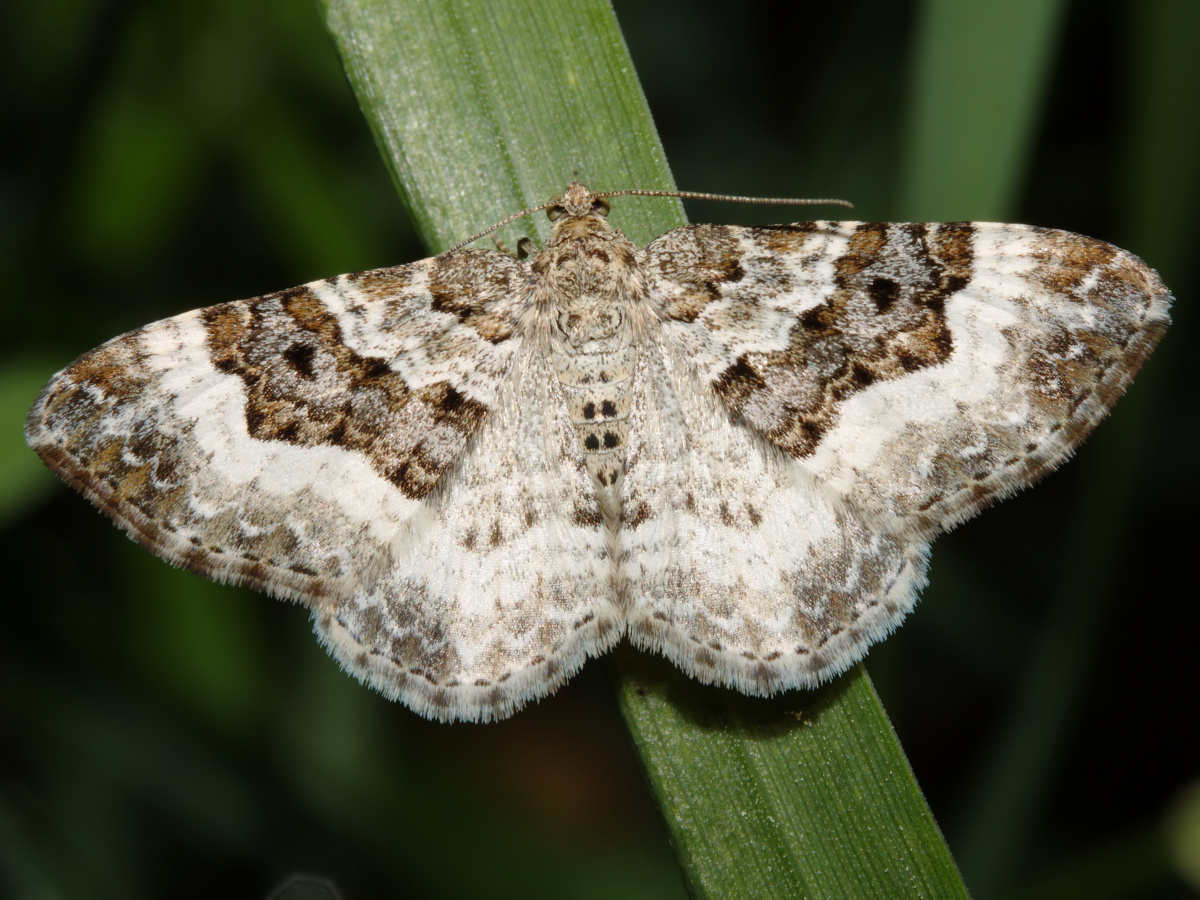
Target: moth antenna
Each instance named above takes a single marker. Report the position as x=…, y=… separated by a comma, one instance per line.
x=683, y=195
x=731, y=198
x=500, y=224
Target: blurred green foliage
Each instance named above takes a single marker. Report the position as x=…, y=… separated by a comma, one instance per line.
x=161, y=736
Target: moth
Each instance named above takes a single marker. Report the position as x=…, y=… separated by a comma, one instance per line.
x=732, y=446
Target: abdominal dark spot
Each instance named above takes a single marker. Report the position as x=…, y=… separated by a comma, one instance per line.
x=589, y=411
x=610, y=440
x=608, y=409
x=592, y=442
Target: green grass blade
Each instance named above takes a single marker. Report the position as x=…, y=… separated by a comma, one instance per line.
x=482, y=109
x=803, y=795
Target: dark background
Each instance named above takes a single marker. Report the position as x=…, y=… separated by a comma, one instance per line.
x=161, y=736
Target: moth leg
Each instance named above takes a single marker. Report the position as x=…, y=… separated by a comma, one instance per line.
x=525, y=247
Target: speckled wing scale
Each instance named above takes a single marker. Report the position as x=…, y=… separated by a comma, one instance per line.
x=733, y=445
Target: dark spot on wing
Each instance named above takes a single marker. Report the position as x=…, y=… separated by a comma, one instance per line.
x=300, y=358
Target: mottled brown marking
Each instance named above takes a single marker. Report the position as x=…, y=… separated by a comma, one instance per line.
x=712, y=260
x=641, y=514
x=306, y=387
x=885, y=319
x=785, y=240
x=1067, y=260
x=459, y=286
x=587, y=516
x=738, y=383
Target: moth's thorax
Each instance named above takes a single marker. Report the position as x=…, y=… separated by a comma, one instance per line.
x=587, y=261
x=589, y=285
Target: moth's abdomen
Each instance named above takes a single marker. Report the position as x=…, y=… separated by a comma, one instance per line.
x=597, y=385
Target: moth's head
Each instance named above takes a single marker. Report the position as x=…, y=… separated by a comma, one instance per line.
x=576, y=212
x=576, y=200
